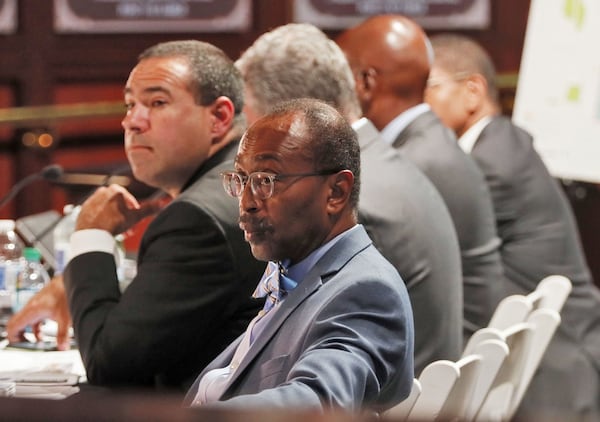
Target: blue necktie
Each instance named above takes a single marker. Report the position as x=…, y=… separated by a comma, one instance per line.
x=275, y=284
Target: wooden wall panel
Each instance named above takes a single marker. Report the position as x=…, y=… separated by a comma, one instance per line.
x=7, y=170
x=7, y=99
x=81, y=93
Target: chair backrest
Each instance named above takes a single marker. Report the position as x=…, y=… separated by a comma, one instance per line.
x=437, y=380
x=553, y=291
x=446, y=388
x=401, y=411
x=497, y=401
x=479, y=336
x=545, y=322
x=463, y=389
x=493, y=352
x=511, y=310
x=550, y=293
x=527, y=343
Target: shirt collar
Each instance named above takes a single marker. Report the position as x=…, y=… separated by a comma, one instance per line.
x=468, y=139
x=298, y=271
x=396, y=126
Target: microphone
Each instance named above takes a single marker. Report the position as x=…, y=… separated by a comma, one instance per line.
x=92, y=179
x=37, y=229
x=50, y=173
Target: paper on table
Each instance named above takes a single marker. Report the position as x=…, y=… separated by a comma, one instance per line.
x=51, y=375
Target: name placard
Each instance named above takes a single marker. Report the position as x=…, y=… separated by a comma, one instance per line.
x=431, y=14
x=8, y=16
x=134, y=16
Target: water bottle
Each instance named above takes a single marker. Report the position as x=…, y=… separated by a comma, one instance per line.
x=30, y=280
x=62, y=237
x=11, y=249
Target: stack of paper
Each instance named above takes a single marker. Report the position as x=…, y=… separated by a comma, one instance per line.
x=53, y=375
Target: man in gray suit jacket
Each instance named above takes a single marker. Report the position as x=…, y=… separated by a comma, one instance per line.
x=341, y=335
x=400, y=209
x=538, y=230
x=390, y=59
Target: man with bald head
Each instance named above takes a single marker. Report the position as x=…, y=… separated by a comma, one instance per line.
x=390, y=57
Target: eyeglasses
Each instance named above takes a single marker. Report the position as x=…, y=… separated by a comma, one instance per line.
x=457, y=77
x=261, y=183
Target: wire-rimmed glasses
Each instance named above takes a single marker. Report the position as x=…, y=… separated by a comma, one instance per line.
x=262, y=183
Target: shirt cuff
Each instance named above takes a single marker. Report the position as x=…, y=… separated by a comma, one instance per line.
x=91, y=240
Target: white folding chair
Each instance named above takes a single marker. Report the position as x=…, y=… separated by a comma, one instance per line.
x=527, y=343
x=510, y=311
x=440, y=382
x=553, y=292
x=545, y=322
x=493, y=352
x=401, y=411
x=550, y=293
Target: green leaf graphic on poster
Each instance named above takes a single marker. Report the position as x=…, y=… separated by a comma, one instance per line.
x=575, y=10
x=573, y=93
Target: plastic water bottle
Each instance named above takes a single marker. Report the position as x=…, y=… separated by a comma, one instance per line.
x=62, y=237
x=11, y=249
x=30, y=279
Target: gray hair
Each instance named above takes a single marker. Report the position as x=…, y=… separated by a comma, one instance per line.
x=298, y=61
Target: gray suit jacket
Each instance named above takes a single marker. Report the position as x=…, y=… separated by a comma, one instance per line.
x=409, y=223
x=540, y=238
x=428, y=144
x=342, y=339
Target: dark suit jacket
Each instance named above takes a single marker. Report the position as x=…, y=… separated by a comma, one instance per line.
x=190, y=298
x=428, y=144
x=409, y=224
x=539, y=238
x=342, y=339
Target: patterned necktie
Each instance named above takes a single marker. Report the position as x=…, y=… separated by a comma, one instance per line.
x=273, y=284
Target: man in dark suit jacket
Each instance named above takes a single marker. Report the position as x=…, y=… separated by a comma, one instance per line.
x=399, y=208
x=535, y=222
x=390, y=59
x=341, y=336
x=192, y=292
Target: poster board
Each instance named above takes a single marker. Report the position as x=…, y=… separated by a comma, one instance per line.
x=558, y=91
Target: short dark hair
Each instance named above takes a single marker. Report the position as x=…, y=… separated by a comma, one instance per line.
x=460, y=54
x=333, y=143
x=213, y=73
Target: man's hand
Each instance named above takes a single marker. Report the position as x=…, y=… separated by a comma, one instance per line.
x=113, y=209
x=50, y=302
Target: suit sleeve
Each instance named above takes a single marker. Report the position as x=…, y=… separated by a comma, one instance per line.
x=172, y=308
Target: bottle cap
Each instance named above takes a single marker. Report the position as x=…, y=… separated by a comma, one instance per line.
x=32, y=254
x=7, y=225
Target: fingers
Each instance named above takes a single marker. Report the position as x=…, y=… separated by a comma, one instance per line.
x=111, y=208
x=16, y=325
x=62, y=335
x=50, y=302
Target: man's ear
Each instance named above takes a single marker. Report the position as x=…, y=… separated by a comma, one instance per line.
x=340, y=185
x=476, y=87
x=366, y=82
x=222, y=115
